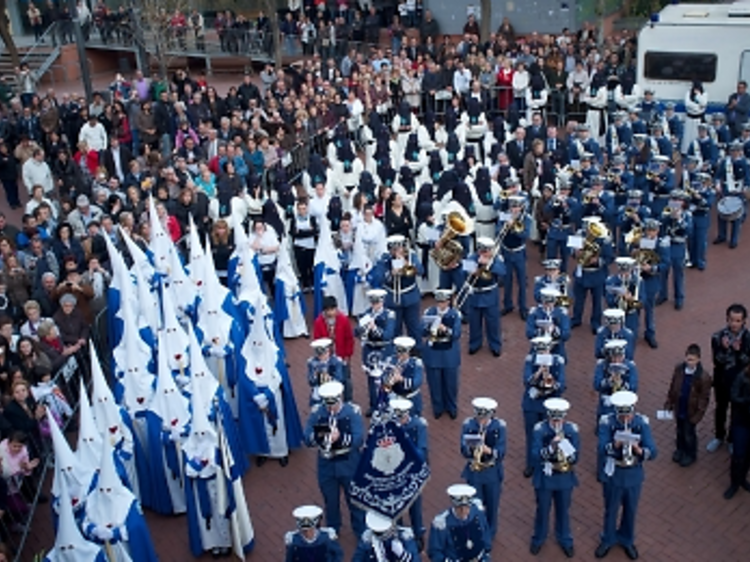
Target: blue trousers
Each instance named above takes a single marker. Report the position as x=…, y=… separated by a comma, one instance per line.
x=530, y=419
x=648, y=312
x=633, y=320
x=544, y=499
x=453, y=279
x=558, y=249
x=735, y=230
x=616, y=497
x=579, y=295
x=408, y=316
x=697, y=244
x=331, y=481
x=515, y=266
x=676, y=265
x=488, y=492
x=489, y=319
x=443, y=384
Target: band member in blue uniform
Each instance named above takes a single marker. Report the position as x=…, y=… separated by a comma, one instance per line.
x=487, y=270
x=721, y=133
x=661, y=142
x=660, y=184
x=591, y=272
x=613, y=373
x=676, y=225
x=323, y=367
x=614, y=329
x=405, y=374
x=397, y=273
x=555, y=445
x=543, y=377
x=336, y=428
x=619, y=180
x=460, y=532
x=552, y=278
x=441, y=353
x=702, y=198
x=415, y=428
x=376, y=329
x=651, y=253
x=625, y=290
x=565, y=212
x=640, y=156
x=631, y=215
x=310, y=542
x=584, y=143
x=619, y=135
x=549, y=319
x=516, y=225
x=732, y=177
x=705, y=149
x=483, y=439
x=625, y=443
x=452, y=275
x=384, y=540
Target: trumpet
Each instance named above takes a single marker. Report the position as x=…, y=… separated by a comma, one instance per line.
x=328, y=440
x=435, y=330
x=564, y=299
x=323, y=376
x=628, y=458
x=561, y=464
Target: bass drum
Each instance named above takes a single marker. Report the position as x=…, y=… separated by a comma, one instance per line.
x=730, y=208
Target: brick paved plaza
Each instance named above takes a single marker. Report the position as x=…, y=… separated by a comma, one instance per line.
x=682, y=513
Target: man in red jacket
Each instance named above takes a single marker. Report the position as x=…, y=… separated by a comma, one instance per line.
x=334, y=324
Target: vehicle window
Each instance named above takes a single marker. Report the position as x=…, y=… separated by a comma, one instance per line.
x=745, y=67
x=680, y=66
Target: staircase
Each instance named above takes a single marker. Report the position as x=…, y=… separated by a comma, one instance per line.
x=40, y=57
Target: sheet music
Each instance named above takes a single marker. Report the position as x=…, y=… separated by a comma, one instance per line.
x=664, y=415
x=432, y=234
x=397, y=263
x=566, y=447
x=648, y=243
x=575, y=241
x=621, y=290
x=543, y=359
x=469, y=266
x=627, y=437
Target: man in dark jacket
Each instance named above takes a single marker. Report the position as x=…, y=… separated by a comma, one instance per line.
x=688, y=397
x=430, y=27
x=164, y=122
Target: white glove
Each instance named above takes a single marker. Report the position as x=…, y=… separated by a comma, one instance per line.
x=103, y=533
x=174, y=435
x=261, y=401
x=182, y=380
x=397, y=548
x=217, y=351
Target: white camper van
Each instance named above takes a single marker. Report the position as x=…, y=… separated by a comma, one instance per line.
x=686, y=42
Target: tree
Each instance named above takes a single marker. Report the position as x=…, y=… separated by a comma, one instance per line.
x=152, y=28
x=270, y=7
x=6, y=36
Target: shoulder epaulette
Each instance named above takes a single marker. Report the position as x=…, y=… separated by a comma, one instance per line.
x=440, y=521
x=289, y=537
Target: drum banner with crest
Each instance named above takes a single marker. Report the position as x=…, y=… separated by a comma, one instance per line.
x=391, y=472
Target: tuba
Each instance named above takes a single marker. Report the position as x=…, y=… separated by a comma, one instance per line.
x=449, y=252
x=591, y=247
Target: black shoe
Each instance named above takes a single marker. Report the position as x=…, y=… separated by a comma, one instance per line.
x=497, y=352
x=284, y=461
x=574, y=324
x=746, y=486
x=686, y=461
x=260, y=461
x=438, y=415
x=524, y=314
x=731, y=491
x=660, y=301
x=631, y=552
x=420, y=543
x=677, y=456
x=678, y=306
x=473, y=351
x=528, y=471
x=652, y=343
x=369, y=413
x=602, y=550
x=732, y=245
x=464, y=320
x=535, y=548
x=719, y=240
x=43, y=498
x=568, y=550
x=453, y=415
x=506, y=311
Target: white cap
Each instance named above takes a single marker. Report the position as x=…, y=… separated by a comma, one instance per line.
x=592, y=218
x=404, y=342
x=396, y=239
x=614, y=314
x=556, y=405
x=625, y=262
x=376, y=294
x=541, y=341
x=484, y=404
x=661, y=158
x=550, y=292
x=378, y=523
x=400, y=404
x=307, y=515
x=516, y=200
x=552, y=264
x=461, y=494
x=615, y=344
x=624, y=399
x=331, y=391
x=485, y=242
x=442, y=295
x=321, y=343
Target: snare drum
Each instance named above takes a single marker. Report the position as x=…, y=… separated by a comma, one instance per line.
x=730, y=208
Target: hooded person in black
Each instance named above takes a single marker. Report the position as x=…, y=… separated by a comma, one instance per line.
x=429, y=123
x=406, y=180
x=270, y=215
x=435, y=166
x=411, y=151
x=452, y=147
x=367, y=187
x=316, y=170
x=483, y=186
